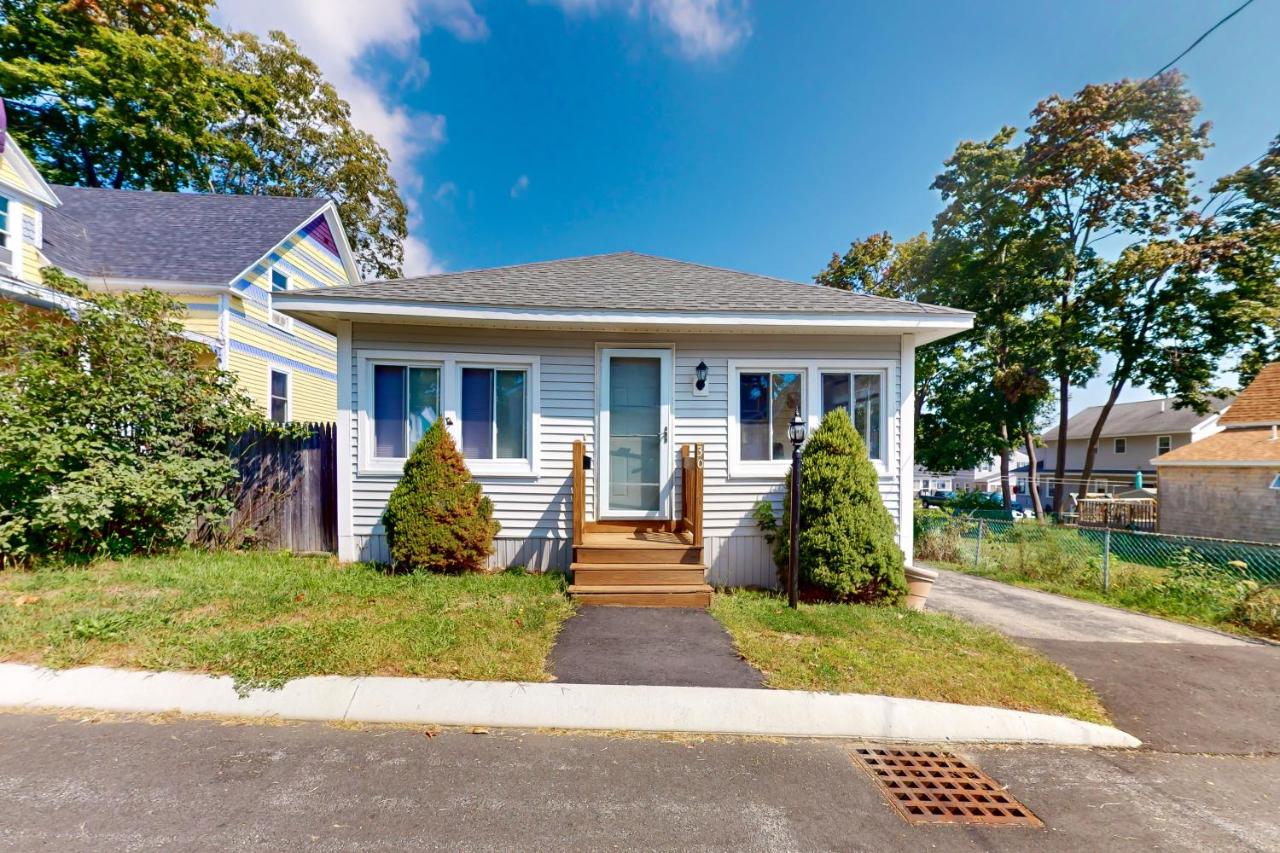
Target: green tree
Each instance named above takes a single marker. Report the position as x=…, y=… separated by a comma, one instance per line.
x=121, y=94
x=311, y=148
x=1110, y=166
x=847, y=537
x=114, y=428
x=437, y=518
x=140, y=95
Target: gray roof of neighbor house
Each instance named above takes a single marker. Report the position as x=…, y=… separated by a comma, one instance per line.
x=1145, y=417
x=624, y=281
x=198, y=238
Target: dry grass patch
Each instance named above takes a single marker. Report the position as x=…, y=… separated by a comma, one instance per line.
x=851, y=648
x=266, y=618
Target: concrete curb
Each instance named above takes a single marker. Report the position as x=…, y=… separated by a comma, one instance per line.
x=711, y=710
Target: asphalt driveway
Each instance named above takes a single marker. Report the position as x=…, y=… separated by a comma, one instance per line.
x=1177, y=687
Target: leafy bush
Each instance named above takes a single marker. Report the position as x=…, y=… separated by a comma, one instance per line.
x=437, y=519
x=1044, y=553
x=1258, y=609
x=847, y=542
x=113, y=427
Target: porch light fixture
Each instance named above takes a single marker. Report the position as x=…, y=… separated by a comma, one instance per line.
x=795, y=431
x=701, y=372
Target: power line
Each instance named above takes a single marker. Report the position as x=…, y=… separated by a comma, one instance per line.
x=1202, y=37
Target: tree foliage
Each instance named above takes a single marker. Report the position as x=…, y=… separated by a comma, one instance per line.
x=437, y=518
x=847, y=537
x=311, y=148
x=143, y=95
x=113, y=427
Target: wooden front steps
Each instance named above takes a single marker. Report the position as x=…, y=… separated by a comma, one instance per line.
x=640, y=565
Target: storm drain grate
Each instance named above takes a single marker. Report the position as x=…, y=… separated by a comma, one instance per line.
x=927, y=786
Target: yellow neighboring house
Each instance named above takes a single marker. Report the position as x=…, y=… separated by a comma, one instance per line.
x=223, y=256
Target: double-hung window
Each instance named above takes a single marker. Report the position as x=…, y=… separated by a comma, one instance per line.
x=1120, y=445
x=4, y=222
x=1164, y=443
x=861, y=395
x=279, y=393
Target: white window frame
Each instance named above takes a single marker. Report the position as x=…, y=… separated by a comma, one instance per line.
x=1168, y=440
x=5, y=230
x=1120, y=446
x=274, y=317
x=450, y=365
x=501, y=467
x=811, y=394
x=288, y=392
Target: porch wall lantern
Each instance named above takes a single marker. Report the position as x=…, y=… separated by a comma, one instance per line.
x=700, y=386
x=795, y=431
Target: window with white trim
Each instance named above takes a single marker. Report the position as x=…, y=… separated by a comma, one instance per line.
x=279, y=284
x=279, y=392
x=4, y=222
x=406, y=402
x=861, y=395
x=767, y=400
x=494, y=412
x=1164, y=443
x=1120, y=445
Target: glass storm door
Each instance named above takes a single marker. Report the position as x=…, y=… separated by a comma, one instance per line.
x=635, y=410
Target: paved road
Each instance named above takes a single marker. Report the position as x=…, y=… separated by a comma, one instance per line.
x=196, y=785
x=1177, y=687
x=669, y=646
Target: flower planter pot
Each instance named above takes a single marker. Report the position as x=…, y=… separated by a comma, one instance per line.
x=919, y=582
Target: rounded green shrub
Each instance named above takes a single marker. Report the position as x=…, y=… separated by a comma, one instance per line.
x=437, y=519
x=848, y=546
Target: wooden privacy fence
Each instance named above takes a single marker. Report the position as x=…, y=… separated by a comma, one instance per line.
x=286, y=497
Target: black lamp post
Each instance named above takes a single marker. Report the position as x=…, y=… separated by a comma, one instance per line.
x=795, y=431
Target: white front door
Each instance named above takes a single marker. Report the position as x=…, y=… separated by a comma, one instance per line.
x=635, y=415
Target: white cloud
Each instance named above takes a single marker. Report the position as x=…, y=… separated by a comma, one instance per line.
x=445, y=193
x=419, y=259
x=519, y=187
x=702, y=28
x=337, y=34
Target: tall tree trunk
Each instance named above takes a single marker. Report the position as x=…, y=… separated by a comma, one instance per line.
x=1033, y=476
x=1060, y=463
x=1006, y=490
x=1091, y=452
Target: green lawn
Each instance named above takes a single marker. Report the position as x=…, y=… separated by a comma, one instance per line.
x=265, y=618
x=849, y=648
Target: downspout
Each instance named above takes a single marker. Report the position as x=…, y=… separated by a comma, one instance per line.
x=224, y=331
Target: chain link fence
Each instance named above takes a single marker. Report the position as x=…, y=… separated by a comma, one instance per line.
x=1048, y=551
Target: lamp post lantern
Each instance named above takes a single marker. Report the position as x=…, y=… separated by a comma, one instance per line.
x=795, y=431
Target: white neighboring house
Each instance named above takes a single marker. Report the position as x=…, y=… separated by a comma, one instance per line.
x=524, y=361
x=984, y=478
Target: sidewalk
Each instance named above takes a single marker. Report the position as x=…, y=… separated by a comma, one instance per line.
x=708, y=710
x=1177, y=687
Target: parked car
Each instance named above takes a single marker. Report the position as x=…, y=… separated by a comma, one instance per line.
x=937, y=498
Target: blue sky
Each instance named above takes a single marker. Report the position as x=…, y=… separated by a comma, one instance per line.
x=758, y=136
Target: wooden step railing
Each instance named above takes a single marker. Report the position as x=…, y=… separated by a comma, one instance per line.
x=579, y=491
x=691, y=492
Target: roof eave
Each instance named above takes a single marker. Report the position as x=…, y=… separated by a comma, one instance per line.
x=325, y=312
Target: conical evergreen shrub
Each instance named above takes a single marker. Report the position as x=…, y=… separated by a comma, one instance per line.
x=437, y=519
x=847, y=542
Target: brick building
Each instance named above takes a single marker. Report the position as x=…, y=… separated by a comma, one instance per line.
x=1228, y=485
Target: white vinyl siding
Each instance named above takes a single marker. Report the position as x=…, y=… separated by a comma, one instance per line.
x=563, y=386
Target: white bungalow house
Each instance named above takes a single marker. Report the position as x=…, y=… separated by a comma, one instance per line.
x=624, y=412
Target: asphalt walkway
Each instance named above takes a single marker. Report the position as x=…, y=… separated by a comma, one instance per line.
x=665, y=646
x=1174, y=686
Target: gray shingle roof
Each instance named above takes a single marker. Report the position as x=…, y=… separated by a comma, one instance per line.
x=190, y=237
x=626, y=281
x=1145, y=417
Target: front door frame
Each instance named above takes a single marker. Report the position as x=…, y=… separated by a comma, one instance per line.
x=665, y=354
